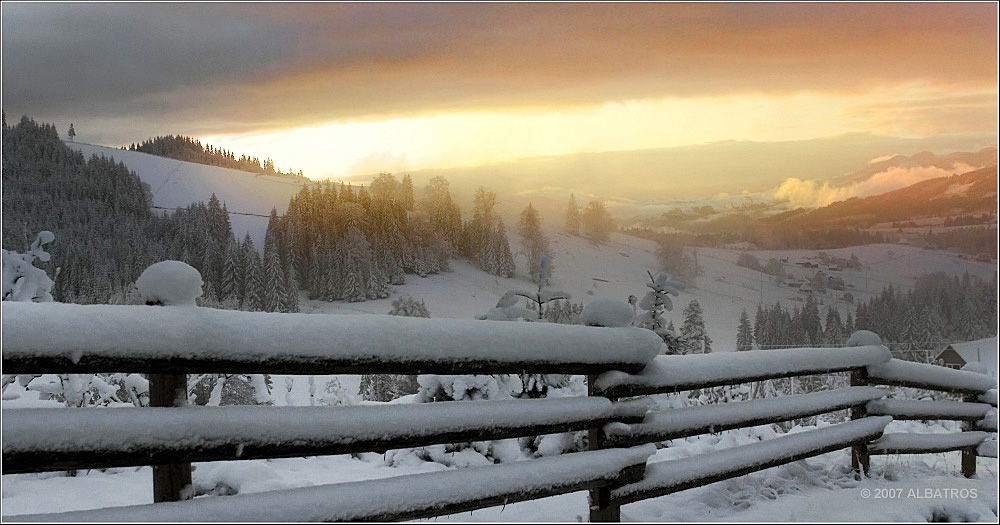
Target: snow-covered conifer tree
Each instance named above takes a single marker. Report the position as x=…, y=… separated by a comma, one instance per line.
x=744, y=334
x=693, y=329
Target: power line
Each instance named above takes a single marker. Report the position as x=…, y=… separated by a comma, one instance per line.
x=227, y=211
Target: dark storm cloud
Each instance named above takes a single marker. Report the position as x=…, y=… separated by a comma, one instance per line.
x=94, y=58
x=249, y=66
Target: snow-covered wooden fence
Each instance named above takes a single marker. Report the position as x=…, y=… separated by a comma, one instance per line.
x=619, y=362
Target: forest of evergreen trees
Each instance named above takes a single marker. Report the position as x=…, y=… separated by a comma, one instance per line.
x=916, y=324
x=189, y=149
x=106, y=233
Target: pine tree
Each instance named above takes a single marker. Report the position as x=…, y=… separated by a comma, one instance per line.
x=406, y=193
x=290, y=301
x=253, y=277
x=693, y=329
x=72, y=132
x=744, y=334
x=534, y=243
x=572, y=216
x=834, y=334
x=274, y=277
x=505, y=260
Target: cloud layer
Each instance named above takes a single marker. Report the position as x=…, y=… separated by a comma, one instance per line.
x=271, y=66
x=812, y=194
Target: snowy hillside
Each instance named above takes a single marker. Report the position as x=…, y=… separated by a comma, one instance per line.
x=618, y=269
x=176, y=183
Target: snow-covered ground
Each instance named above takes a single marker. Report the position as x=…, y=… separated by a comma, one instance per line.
x=817, y=489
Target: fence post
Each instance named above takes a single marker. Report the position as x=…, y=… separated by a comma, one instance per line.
x=601, y=509
x=969, y=453
x=860, y=460
x=171, y=482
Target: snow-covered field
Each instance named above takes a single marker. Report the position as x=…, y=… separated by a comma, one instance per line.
x=175, y=183
x=901, y=488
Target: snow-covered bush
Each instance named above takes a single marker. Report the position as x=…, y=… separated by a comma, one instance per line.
x=22, y=280
x=653, y=305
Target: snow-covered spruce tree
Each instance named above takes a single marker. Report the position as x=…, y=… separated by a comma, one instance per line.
x=572, y=216
x=693, y=330
x=744, y=334
x=653, y=304
x=533, y=243
x=505, y=259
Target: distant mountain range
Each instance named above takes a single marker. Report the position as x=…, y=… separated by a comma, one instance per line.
x=968, y=193
x=982, y=158
x=631, y=179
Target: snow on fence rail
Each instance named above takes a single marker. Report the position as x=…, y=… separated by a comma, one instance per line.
x=913, y=409
x=673, y=373
x=61, y=338
x=391, y=499
x=931, y=377
x=670, y=424
x=49, y=439
x=667, y=477
x=169, y=342
x=925, y=443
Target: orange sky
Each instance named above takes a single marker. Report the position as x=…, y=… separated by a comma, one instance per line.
x=337, y=89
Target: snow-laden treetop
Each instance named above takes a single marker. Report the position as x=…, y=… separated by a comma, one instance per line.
x=170, y=283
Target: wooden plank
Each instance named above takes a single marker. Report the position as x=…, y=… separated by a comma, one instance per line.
x=751, y=413
x=734, y=456
x=174, y=340
x=625, y=390
x=912, y=443
x=922, y=386
x=675, y=373
x=290, y=365
x=171, y=481
x=39, y=440
x=905, y=409
x=929, y=377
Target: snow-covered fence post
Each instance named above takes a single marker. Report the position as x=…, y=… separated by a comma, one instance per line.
x=969, y=453
x=171, y=482
x=860, y=459
x=601, y=508
x=170, y=283
x=611, y=313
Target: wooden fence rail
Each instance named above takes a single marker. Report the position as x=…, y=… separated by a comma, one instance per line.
x=170, y=342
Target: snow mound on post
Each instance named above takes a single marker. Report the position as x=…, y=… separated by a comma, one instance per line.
x=170, y=283
x=864, y=338
x=607, y=312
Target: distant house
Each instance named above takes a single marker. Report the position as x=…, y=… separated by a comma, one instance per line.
x=983, y=351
